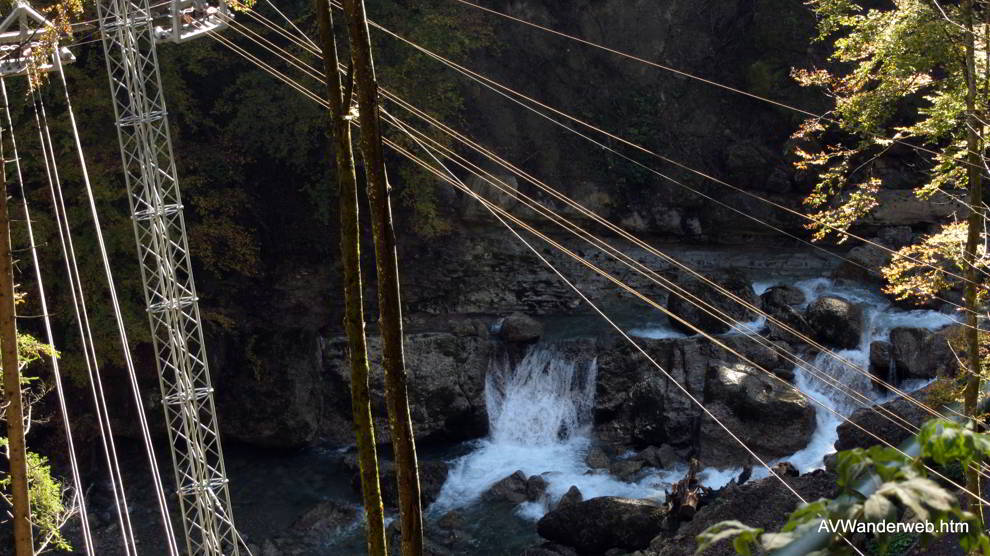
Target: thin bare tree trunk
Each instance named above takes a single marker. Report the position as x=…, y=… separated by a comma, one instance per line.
x=16, y=446
x=975, y=229
x=390, y=311
x=350, y=250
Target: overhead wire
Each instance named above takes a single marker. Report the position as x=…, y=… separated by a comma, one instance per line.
x=85, y=331
x=660, y=280
x=170, y=539
x=634, y=292
x=698, y=78
x=490, y=207
x=708, y=197
x=77, y=483
x=511, y=93
x=793, y=358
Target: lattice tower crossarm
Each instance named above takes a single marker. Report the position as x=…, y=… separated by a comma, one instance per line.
x=128, y=40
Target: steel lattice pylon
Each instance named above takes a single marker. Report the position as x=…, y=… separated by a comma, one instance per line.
x=170, y=293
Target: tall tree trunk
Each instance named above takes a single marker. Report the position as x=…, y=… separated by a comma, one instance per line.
x=390, y=312
x=975, y=228
x=350, y=250
x=16, y=446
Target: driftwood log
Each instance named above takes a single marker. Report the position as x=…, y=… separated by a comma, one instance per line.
x=685, y=495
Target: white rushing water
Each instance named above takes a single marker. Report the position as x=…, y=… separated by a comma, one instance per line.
x=539, y=411
x=539, y=415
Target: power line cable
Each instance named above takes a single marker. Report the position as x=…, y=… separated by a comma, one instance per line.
x=869, y=403
x=682, y=73
x=299, y=87
x=121, y=329
x=49, y=337
x=85, y=332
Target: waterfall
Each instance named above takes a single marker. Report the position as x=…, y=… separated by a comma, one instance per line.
x=543, y=400
x=540, y=415
x=879, y=318
x=540, y=411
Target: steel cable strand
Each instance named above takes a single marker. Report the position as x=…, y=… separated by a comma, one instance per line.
x=49, y=336
x=313, y=96
x=85, y=331
x=634, y=292
x=121, y=329
x=492, y=83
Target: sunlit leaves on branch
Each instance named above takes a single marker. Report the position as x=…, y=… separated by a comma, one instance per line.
x=905, y=493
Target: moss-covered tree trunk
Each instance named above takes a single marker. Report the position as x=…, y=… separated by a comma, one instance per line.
x=386, y=261
x=350, y=252
x=14, y=412
x=973, y=238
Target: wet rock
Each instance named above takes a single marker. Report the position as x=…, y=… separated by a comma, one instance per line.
x=786, y=469
x=597, y=458
x=626, y=469
x=571, y=497
x=668, y=456
x=513, y=488
x=789, y=323
x=921, y=353
x=325, y=517
x=651, y=456
x=599, y=524
x=761, y=503
x=636, y=407
x=451, y=520
x=783, y=295
x=549, y=549
x=313, y=530
x=432, y=475
x=785, y=373
x=851, y=436
x=835, y=322
x=734, y=282
x=880, y=360
x=771, y=417
x=446, y=387
x=519, y=328
x=536, y=488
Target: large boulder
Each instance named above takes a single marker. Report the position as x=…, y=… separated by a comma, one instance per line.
x=512, y=489
x=835, y=322
x=783, y=295
x=636, y=406
x=921, y=353
x=600, y=524
x=904, y=208
x=685, y=307
x=446, y=387
x=852, y=433
x=779, y=302
x=772, y=417
x=519, y=328
x=881, y=362
x=760, y=503
x=314, y=531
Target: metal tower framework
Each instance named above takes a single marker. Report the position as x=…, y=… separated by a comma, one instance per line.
x=128, y=38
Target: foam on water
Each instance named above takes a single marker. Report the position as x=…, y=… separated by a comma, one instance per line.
x=656, y=332
x=880, y=317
